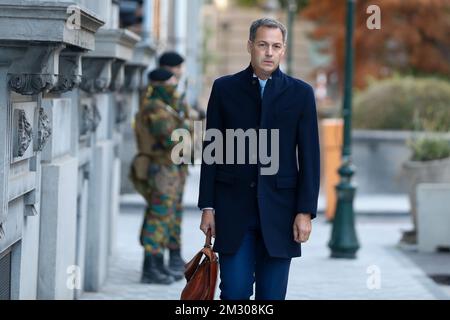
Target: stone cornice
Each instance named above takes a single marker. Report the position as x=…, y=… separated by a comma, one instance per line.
x=143, y=55
x=25, y=21
x=113, y=47
x=114, y=43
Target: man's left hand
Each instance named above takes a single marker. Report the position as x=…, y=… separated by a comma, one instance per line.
x=302, y=227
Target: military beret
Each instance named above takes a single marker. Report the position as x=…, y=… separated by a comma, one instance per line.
x=171, y=59
x=160, y=74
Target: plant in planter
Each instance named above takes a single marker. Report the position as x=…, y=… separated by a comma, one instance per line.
x=429, y=163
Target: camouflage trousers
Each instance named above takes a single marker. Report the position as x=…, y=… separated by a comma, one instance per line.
x=161, y=226
x=175, y=225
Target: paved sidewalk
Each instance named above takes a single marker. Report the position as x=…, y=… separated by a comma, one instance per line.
x=313, y=276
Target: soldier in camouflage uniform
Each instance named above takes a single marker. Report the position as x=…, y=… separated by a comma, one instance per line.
x=154, y=175
x=173, y=62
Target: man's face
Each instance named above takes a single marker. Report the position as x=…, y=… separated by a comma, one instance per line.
x=266, y=50
x=177, y=71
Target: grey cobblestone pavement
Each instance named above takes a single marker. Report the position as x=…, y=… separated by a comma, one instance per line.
x=313, y=276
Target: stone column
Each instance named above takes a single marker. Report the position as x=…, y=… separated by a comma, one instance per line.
x=113, y=48
x=144, y=57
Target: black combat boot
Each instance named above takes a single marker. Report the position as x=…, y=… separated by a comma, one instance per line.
x=177, y=275
x=176, y=262
x=151, y=273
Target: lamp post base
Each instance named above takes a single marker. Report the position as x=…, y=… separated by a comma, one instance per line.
x=344, y=254
x=343, y=242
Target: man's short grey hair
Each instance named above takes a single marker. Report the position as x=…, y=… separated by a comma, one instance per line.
x=269, y=23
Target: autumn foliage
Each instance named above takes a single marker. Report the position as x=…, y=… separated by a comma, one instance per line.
x=414, y=37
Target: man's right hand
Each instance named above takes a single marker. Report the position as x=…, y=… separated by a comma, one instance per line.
x=208, y=222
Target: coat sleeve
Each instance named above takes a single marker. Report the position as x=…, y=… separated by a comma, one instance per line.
x=308, y=157
x=208, y=171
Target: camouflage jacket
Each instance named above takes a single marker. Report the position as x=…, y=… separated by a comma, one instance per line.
x=154, y=124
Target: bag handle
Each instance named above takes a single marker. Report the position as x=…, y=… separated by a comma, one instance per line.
x=208, y=239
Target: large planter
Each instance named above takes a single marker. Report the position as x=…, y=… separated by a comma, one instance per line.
x=378, y=157
x=435, y=171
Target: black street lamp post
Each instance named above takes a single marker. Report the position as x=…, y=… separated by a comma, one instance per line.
x=343, y=242
x=292, y=10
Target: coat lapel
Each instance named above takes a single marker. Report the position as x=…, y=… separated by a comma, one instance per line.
x=274, y=88
x=251, y=85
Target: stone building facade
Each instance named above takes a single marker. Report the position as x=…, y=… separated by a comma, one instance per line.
x=70, y=81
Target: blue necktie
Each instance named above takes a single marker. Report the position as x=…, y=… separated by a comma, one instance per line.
x=262, y=84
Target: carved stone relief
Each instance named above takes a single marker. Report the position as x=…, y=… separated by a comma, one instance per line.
x=90, y=119
x=44, y=130
x=24, y=133
x=29, y=84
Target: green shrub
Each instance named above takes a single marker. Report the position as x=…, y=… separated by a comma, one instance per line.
x=429, y=149
x=404, y=103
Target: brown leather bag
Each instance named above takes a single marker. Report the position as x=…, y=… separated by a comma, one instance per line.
x=201, y=276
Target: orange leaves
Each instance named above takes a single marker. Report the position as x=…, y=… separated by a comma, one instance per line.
x=414, y=36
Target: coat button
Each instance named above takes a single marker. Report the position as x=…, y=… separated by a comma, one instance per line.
x=253, y=184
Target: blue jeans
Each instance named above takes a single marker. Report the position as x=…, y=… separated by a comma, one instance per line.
x=252, y=264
